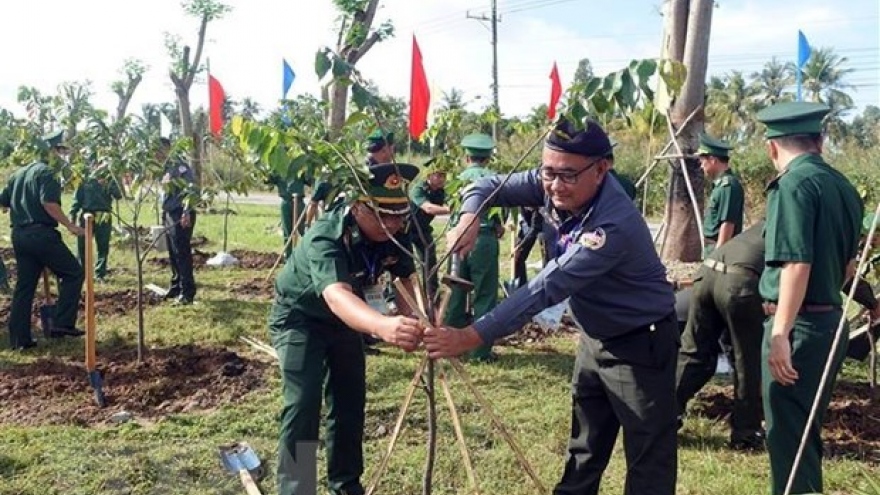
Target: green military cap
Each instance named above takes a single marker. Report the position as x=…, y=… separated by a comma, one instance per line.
x=793, y=117
x=54, y=139
x=713, y=147
x=478, y=145
x=387, y=187
x=378, y=140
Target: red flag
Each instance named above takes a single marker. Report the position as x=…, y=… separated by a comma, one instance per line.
x=419, y=95
x=216, y=97
x=555, y=92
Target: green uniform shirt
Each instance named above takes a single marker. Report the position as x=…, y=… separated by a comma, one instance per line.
x=332, y=250
x=725, y=205
x=287, y=188
x=813, y=216
x=27, y=190
x=745, y=250
x=420, y=193
x=628, y=186
x=472, y=174
x=92, y=195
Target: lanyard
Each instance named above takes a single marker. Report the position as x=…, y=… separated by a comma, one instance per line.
x=372, y=267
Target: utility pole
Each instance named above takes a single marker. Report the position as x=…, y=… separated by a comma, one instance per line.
x=493, y=19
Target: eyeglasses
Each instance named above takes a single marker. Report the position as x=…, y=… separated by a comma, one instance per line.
x=567, y=177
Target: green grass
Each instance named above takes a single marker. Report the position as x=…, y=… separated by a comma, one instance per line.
x=177, y=454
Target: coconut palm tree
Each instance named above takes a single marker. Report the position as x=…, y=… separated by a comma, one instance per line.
x=823, y=78
x=730, y=105
x=769, y=85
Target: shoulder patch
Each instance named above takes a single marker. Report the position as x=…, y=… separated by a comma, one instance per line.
x=593, y=239
x=724, y=181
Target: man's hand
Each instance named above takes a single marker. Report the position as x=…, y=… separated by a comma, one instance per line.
x=463, y=237
x=450, y=342
x=779, y=360
x=402, y=332
x=499, y=231
x=76, y=230
x=185, y=220
x=874, y=314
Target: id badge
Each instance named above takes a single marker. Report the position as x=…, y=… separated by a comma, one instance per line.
x=375, y=298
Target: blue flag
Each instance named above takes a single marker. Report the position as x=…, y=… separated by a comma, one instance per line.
x=289, y=76
x=803, y=49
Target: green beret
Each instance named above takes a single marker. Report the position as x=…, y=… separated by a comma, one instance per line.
x=792, y=118
x=378, y=140
x=478, y=145
x=591, y=141
x=387, y=188
x=713, y=147
x=54, y=139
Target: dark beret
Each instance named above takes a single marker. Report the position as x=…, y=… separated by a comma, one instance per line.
x=590, y=140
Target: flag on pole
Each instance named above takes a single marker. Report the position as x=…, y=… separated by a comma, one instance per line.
x=803, y=49
x=216, y=96
x=419, y=95
x=555, y=92
x=802, y=57
x=288, y=77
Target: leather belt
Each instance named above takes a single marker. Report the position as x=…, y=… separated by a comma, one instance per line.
x=770, y=308
x=723, y=268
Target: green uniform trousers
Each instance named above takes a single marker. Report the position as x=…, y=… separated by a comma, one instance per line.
x=287, y=222
x=37, y=247
x=626, y=382
x=787, y=407
x=480, y=266
x=315, y=363
x=101, y=231
x=724, y=301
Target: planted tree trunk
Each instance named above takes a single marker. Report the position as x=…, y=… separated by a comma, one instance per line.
x=696, y=18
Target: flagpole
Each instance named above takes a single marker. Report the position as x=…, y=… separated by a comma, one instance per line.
x=798, y=76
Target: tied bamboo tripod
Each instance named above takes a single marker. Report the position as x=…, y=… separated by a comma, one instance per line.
x=425, y=374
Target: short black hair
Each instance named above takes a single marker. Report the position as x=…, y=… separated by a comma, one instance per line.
x=165, y=142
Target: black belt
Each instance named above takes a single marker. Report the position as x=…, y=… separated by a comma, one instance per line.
x=770, y=308
x=723, y=268
x=650, y=327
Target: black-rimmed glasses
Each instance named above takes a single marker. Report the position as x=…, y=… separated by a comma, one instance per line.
x=567, y=177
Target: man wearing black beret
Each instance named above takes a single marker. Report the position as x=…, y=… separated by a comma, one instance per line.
x=606, y=265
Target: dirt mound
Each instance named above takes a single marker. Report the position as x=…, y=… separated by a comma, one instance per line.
x=257, y=288
x=172, y=380
x=199, y=259
x=254, y=260
x=120, y=302
x=852, y=422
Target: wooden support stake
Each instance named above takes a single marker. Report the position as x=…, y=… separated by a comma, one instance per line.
x=459, y=435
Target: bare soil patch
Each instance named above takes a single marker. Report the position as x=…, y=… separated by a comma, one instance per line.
x=852, y=422
x=172, y=380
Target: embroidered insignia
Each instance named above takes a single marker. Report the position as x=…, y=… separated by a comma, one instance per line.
x=593, y=240
x=181, y=169
x=393, y=182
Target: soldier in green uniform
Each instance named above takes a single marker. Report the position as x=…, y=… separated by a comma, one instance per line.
x=723, y=218
x=33, y=196
x=811, y=237
x=481, y=265
x=95, y=195
x=725, y=298
x=291, y=191
x=326, y=297
x=428, y=199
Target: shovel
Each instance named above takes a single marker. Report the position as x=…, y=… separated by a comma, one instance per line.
x=239, y=458
x=47, y=308
x=95, y=379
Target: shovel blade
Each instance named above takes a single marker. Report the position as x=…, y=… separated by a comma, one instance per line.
x=238, y=456
x=97, y=384
x=46, y=311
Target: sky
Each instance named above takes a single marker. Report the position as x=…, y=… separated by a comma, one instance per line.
x=90, y=40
